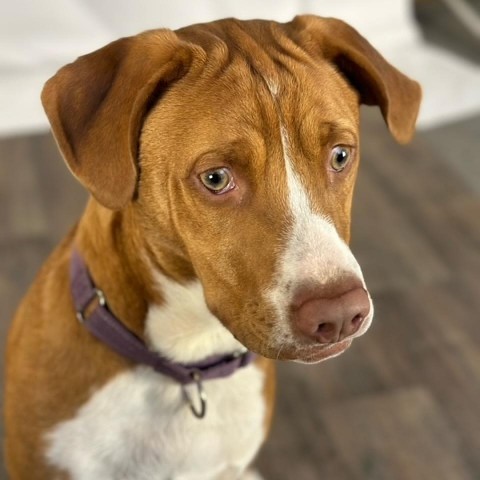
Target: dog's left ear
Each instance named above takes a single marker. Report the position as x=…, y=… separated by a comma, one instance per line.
x=377, y=82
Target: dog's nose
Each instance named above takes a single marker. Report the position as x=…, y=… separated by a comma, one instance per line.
x=330, y=319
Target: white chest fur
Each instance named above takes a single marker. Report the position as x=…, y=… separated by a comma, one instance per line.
x=139, y=426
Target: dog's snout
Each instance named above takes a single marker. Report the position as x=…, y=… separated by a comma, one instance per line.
x=329, y=319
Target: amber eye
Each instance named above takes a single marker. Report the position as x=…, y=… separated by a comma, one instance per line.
x=218, y=180
x=340, y=157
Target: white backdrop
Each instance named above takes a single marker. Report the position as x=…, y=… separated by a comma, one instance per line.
x=38, y=37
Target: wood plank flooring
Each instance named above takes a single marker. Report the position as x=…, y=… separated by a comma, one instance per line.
x=404, y=402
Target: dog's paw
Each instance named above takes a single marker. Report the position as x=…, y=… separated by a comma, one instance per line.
x=251, y=475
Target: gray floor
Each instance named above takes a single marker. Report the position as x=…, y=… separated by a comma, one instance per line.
x=458, y=145
x=402, y=403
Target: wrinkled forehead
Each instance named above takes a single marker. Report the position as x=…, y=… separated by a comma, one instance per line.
x=255, y=54
x=236, y=96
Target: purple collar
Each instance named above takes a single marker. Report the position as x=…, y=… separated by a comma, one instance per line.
x=101, y=322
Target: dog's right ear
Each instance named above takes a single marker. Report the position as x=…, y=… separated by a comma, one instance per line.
x=377, y=82
x=96, y=107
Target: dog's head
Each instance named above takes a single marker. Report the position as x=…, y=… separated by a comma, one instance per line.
x=235, y=146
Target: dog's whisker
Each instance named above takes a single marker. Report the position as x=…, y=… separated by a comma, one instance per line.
x=280, y=350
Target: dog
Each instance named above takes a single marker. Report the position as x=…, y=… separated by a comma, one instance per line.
x=221, y=160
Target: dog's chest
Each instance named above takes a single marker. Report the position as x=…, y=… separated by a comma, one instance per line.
x=139, y=427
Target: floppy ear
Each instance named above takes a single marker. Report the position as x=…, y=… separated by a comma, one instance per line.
x=96, y=107
x=377, y=82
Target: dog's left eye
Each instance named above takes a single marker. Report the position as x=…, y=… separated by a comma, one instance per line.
x=218, y=180
x=340, y=157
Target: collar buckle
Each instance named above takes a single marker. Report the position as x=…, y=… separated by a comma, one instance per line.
x=92, y=312
x=99, y=296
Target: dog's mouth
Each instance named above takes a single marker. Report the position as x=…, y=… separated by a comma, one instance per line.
x=314, y=353
x=300, y=348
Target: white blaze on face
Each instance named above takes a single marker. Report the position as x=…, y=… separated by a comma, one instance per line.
x=314, y=252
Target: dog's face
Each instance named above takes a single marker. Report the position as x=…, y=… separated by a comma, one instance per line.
x=261, y=179
x=242, y=151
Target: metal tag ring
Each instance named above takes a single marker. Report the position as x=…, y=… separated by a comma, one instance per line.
x=200, y=410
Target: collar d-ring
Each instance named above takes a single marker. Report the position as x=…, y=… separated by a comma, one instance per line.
x=199, y=408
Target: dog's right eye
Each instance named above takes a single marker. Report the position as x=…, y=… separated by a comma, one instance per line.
x=218, y=180
x=340, y=157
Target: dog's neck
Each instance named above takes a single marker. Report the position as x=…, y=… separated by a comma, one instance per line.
x=154, y=293
x=109, y=254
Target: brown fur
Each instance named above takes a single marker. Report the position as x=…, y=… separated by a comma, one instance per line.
x=137, y=121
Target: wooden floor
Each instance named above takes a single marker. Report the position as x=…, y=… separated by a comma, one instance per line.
x=404, y=402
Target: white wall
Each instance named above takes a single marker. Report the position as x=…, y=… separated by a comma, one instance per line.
x=38, y=37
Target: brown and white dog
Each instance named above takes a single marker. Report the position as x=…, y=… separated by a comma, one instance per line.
x=221, y=160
